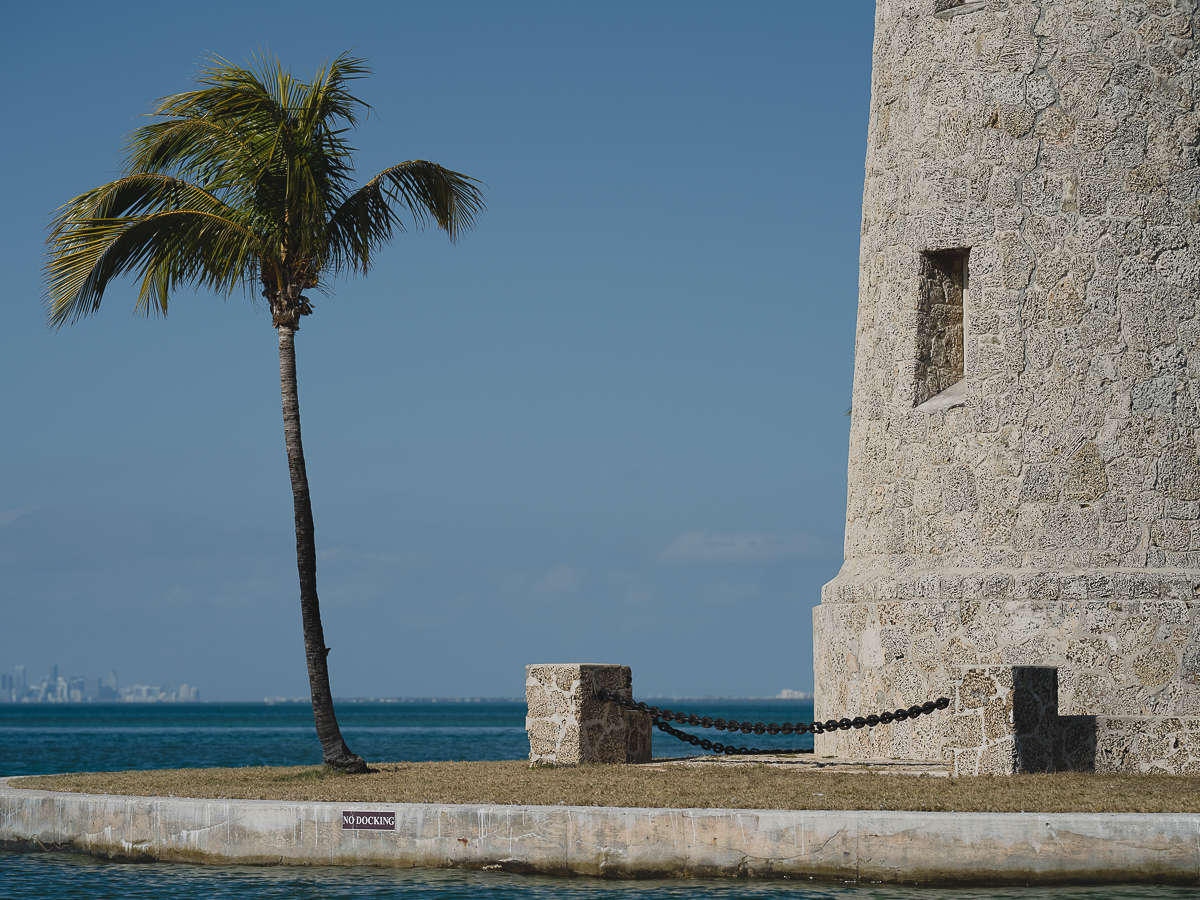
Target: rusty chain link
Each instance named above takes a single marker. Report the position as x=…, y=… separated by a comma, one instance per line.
x=663, y=717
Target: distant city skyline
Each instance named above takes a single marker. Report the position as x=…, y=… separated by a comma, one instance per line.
x=17, y=687
x=55, y=688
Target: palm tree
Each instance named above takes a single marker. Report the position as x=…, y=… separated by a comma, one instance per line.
x=249, y=180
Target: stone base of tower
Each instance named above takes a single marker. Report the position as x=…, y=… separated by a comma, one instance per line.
x=1123, y=646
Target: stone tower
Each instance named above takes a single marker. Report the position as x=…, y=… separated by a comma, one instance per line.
x=1024, y=488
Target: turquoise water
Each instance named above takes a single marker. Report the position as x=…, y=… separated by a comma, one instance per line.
x=108, y=737
x=51, y=876
x=36, y=739
x=41, y=738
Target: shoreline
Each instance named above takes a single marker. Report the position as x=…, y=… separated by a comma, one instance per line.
x=936, y=848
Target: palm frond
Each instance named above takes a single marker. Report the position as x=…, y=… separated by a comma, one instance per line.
x=248, y=176
x=191, y=147
x=170, y=248
x=133, y=195
x=366, y=219
x=327, y=100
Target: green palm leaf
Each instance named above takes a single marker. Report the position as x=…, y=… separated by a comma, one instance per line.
x=366, y=219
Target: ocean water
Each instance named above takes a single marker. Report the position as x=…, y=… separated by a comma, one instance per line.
x=51, y=876
x=36, y=739
x=44, y=738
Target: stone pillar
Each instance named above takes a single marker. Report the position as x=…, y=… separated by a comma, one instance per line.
x=1024, y=485
x=1004, y=720
x=568, y=724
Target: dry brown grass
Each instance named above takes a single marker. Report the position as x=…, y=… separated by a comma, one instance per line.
x=744, y=787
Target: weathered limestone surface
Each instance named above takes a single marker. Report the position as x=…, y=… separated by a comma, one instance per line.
x=569, y=724
x=937, y=848
x=1115, y=658
x=1005, y=720
x=1044, y=508
x=1002, y=720
x=1161, y=744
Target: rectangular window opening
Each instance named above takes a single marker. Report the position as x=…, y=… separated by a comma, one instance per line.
x=941, y=300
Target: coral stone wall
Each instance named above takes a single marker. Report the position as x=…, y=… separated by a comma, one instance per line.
x=1045, y=510
x=568, y=724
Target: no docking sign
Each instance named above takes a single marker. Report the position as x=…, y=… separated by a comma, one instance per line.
x=368, y=820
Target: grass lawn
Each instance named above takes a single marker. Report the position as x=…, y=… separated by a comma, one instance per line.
x=658, y=785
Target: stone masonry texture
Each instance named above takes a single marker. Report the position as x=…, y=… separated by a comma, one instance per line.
x=568, y=724
x=1044, y=510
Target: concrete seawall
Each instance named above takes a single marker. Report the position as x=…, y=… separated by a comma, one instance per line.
x=932, y=848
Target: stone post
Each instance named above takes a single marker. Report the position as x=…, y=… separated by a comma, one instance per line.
x=1004, y=720
x=568, y=724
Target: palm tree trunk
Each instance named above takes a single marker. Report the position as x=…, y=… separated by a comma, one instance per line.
x=333, y=747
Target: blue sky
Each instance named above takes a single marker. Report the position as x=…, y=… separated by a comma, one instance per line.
x=607, y=426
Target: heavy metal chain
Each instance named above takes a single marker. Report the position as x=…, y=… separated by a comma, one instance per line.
x=663, y=717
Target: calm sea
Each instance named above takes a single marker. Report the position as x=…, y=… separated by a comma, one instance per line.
x=37, y=739
x=42, y=738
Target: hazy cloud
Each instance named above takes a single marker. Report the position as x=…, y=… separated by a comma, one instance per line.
x=631, y=588
x=411, y=560
x=522, y=590
x=694, y=548
x=559, y=581
x=720, y=592
x=11, y=516
x=128, y=558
